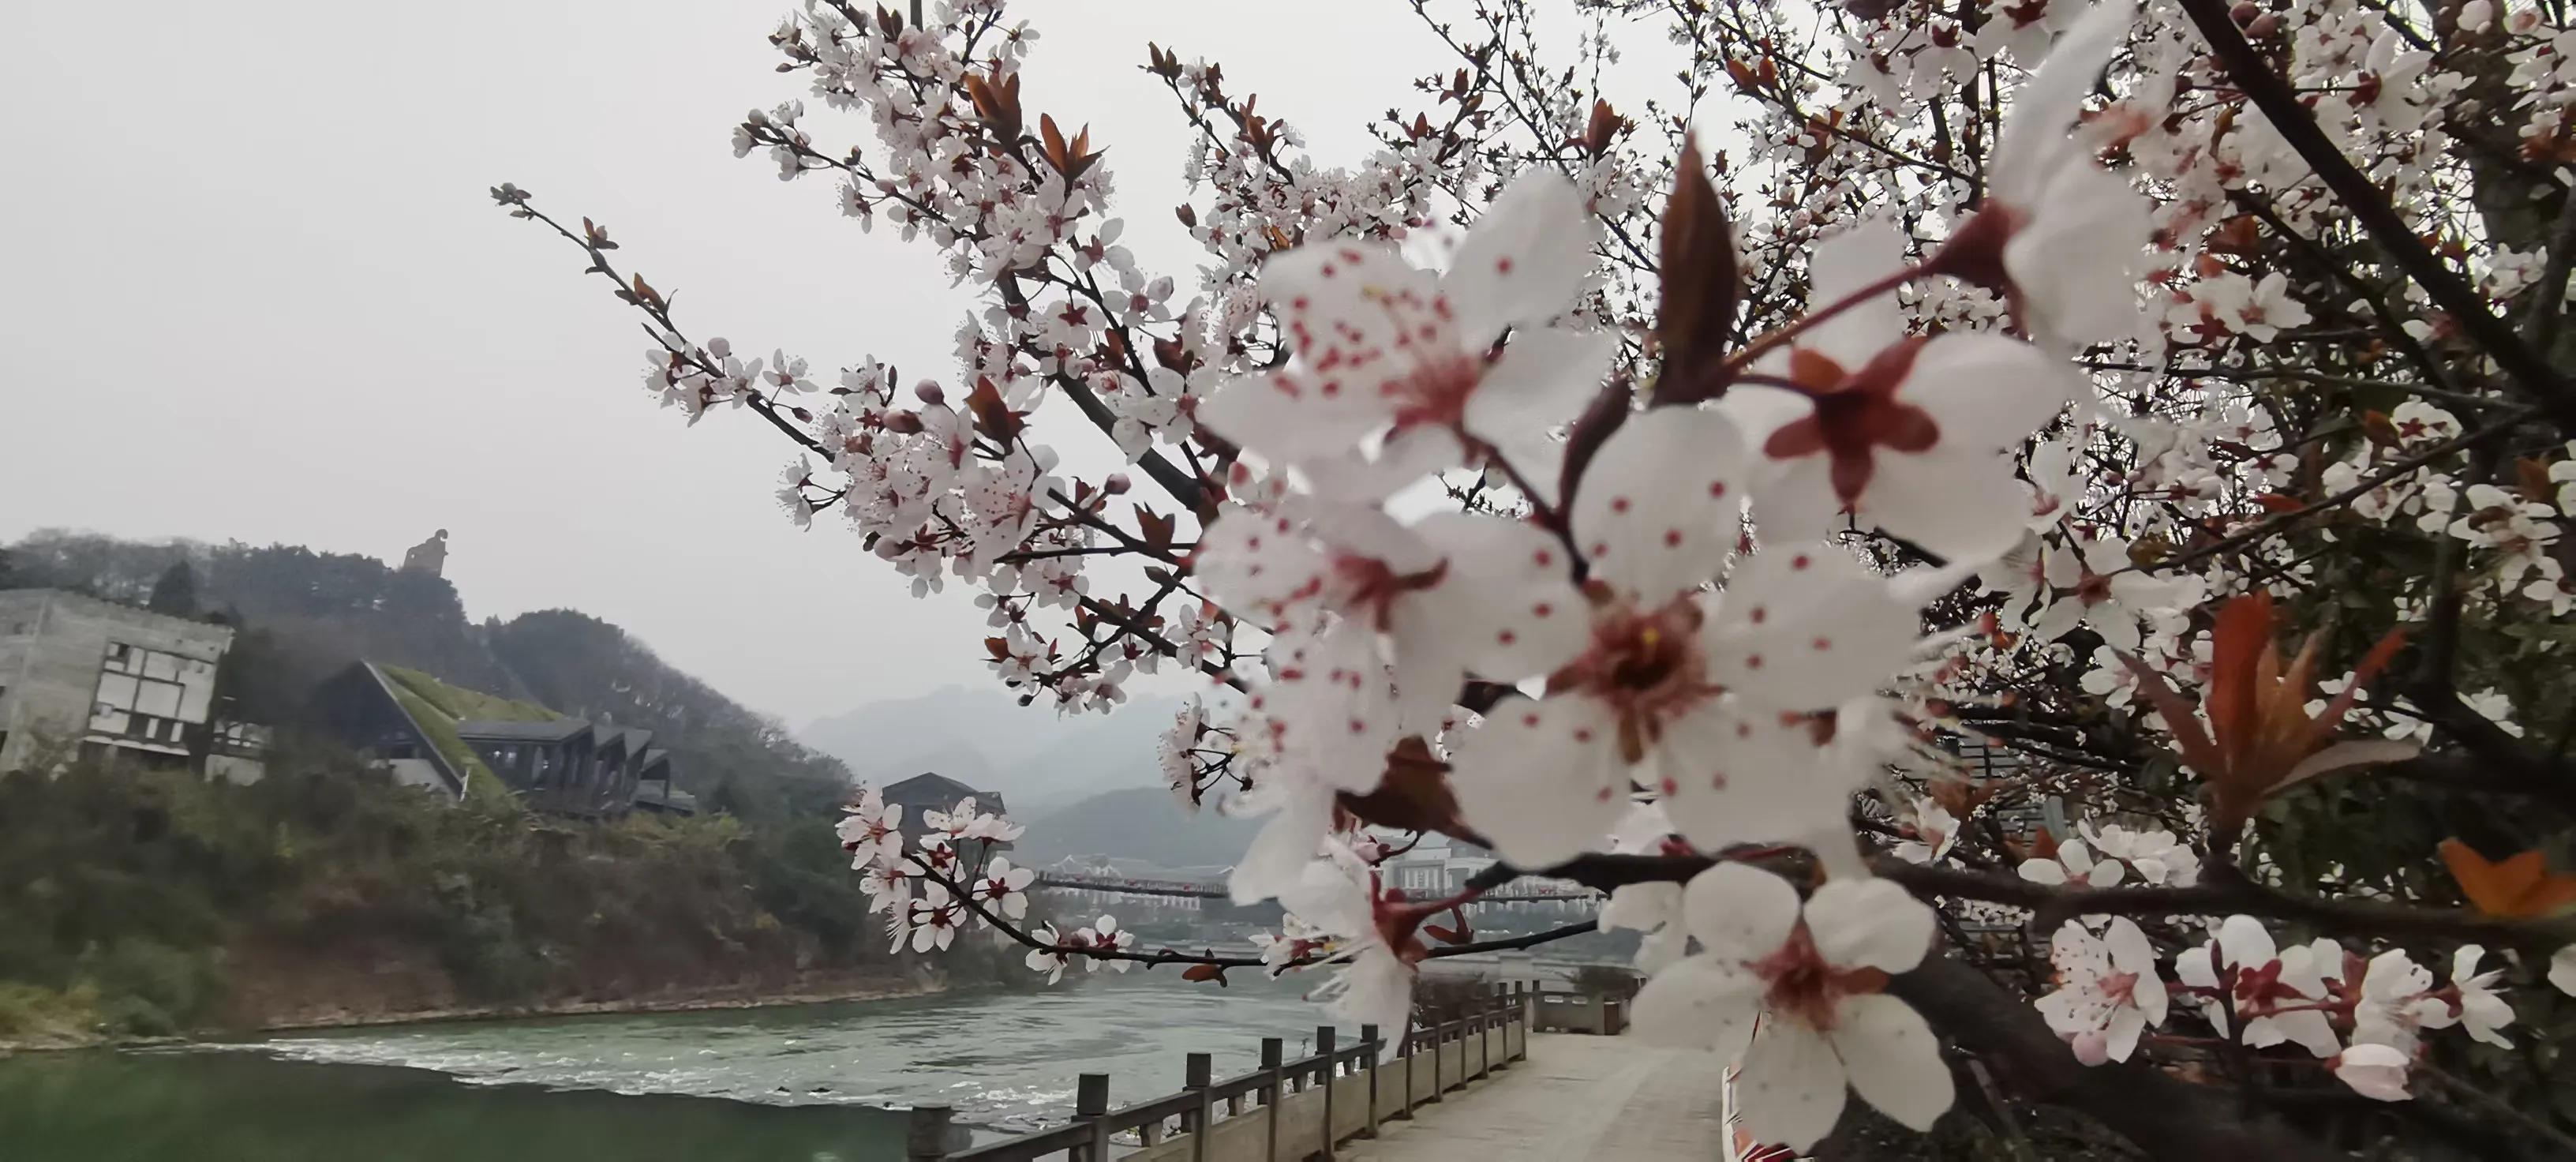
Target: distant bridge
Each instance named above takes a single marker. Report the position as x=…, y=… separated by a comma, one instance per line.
x=1215, y=890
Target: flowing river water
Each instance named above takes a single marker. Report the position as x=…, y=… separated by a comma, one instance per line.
x=805, y=1083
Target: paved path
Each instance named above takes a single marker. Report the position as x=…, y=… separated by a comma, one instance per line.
x=1576, y=1098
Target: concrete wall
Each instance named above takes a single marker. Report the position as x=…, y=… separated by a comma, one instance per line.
x=1300, y=1116
x=53, y=648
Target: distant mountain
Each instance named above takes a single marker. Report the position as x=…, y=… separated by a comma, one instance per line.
x=1037, y=760
x=1144, y=823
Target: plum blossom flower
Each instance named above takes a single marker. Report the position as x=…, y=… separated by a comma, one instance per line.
x=2057, y=236
x=2072, y=863
x=2153, y=853
x=935, y=917
x=1367, y=933
x=2482, y=1011
x=1796, y=995
x=1705, y=702
x=1427, y=604
x=1379, y=344
x=1105, y=934
x=889, y=888
x=2243, y=965
x=2107, y=991
x=1050, y=960
x=1900, y=432
x=2395, y=1004
x=1935, y=829
x=871, y=829
x=1003, y=888
x=2103, y=591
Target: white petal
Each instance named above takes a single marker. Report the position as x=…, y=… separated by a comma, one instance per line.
x=1541, y=779
x=1739, y=913
x=1505, y=598
x=2562, y=970
x=1805, y=626
x=1985, y=390
x=1869, y=923
x=2245, y=942
x=1964, y=505
x=1524, y=261
x=1662, y=503
x=1892, y=1058
x=1254, y=562
x=1285, y=845
x=1284, y=416
x=2034, y=140
x=1842, y=264
x=1733, y=774
x=1791, y=1085
x=2043, y=871
x=2076, y=264
x=1701, y=1002
x=1542, y=382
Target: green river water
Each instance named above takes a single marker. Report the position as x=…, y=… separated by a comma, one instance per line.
x=807, y=1083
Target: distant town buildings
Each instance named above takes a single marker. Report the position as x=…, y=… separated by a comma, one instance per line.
x=109, y=680
x=429, y=734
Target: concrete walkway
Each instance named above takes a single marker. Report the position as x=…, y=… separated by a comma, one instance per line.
x=1576, y=1098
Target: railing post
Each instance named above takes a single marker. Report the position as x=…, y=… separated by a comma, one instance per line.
x=1405, y=1051
x=1273, y=1052
x=1439, y=1047
x=1324, y=1038
x=1485, y=1034
x=1091, y=1104
x=1198, y=1074
x=1369, y=1044
x=925, y=1134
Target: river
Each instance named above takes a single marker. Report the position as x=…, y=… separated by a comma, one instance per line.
x=804, y=1083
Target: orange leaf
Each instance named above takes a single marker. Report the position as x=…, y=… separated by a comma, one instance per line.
x=2238, y=642
x=2521, y=885
x=1214, y=972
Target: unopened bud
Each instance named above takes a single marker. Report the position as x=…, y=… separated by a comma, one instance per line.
x=927, y=391
x=2265, y=27
x=2245, y=11
x=803, y=416
x=905, y=423
x=1116, y=485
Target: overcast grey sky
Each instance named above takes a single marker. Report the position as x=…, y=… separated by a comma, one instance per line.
x=254, y=290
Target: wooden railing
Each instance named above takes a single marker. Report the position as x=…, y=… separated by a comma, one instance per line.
x=1284, y=1111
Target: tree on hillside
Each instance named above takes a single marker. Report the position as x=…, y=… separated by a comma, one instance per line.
x=175, y=591
x=2021, y=542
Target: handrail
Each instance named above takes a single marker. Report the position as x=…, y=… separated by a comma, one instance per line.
x=1278, y=1081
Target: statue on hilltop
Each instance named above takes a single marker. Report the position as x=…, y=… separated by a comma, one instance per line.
x=429, y=556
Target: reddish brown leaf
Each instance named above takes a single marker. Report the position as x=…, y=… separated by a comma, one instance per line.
x=993, y=418
x=1414, y=794
x=1205, y=972
x=1702, y=283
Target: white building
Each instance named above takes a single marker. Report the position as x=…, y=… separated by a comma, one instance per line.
x=105, y=679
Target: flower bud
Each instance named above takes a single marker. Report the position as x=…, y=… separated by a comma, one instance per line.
x=927, y=391
x=2245, y=12
x=1116, y=485
x=906, y=423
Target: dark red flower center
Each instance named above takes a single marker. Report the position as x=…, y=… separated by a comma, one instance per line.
x=1857, y=412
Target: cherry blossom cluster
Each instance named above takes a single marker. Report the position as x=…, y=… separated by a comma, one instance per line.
x=1994, y=380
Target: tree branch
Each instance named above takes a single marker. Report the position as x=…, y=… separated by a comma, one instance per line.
x=2369, y=207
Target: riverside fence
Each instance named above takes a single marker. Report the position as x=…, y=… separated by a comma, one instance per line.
x=1284, y=1111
